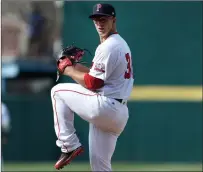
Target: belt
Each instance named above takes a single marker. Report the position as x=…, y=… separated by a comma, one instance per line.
x=122, y=101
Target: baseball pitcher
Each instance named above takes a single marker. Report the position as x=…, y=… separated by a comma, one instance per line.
x=99, y=97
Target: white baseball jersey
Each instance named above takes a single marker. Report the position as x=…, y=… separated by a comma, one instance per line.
x=113, y=64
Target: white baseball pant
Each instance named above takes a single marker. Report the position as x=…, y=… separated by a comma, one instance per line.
x=107, y=118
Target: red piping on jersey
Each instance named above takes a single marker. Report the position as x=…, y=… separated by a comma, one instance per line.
x=55, y=106
x=57, y=119
x=93, y=83
x=56, y=115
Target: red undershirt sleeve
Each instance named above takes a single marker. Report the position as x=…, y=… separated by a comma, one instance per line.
x=93, y=83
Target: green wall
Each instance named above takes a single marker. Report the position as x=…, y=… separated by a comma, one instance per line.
x=155, y=131
x=165, y=38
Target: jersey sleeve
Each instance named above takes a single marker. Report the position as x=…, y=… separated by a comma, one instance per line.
x=103, y=64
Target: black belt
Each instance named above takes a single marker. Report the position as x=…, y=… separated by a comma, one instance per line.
x=119, y=100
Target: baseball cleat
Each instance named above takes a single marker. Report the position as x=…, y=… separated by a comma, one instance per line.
x=66, y=158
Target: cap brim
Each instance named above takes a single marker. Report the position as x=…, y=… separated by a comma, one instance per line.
x=98, y=15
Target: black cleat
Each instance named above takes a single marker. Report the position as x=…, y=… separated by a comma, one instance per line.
x=66, y=158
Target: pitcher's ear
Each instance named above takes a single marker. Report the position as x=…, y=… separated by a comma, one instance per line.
x=114, y=20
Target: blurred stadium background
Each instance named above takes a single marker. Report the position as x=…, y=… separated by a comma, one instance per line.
x=164, y=132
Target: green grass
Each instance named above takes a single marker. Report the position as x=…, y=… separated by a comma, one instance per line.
x=74, y=166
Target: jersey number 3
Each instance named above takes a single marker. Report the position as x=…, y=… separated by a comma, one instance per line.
x=129, y=70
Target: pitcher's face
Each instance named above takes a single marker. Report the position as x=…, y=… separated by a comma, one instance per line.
x=103, y=24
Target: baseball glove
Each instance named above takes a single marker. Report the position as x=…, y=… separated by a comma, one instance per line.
x=69, y=56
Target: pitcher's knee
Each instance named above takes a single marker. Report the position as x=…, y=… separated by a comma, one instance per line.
x=55, y=89
x=98, y=163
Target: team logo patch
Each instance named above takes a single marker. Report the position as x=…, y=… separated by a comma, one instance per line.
x=100, y=67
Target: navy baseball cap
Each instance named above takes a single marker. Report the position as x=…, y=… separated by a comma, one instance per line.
x=103, y=10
